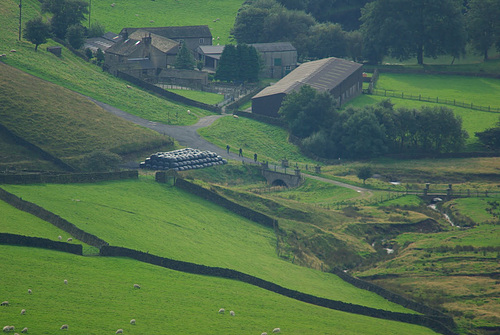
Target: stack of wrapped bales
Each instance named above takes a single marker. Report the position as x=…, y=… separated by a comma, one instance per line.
x=182, y=160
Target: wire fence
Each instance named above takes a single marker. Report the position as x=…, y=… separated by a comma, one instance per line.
x=419, y=97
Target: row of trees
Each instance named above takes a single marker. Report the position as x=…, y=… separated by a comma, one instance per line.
x=369, y=131
x=397, y=28
x=64, y=24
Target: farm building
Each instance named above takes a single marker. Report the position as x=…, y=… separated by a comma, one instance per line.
x=141, y=53
x=209, y=55
x=341, y=78
x=104, y=42
x=279, y=58
x=192, y=36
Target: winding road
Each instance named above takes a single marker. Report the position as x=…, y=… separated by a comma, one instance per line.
x=189, y=137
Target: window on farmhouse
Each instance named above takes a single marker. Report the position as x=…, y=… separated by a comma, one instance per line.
x=202, y=41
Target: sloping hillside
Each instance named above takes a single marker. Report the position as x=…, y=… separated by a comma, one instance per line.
x=62, y=122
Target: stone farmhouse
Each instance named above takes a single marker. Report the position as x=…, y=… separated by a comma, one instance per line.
x=341, y=78
x=146, y=52
x=141, y=53
x=192, y=36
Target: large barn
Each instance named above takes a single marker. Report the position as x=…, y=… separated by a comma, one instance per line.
x=341, y=78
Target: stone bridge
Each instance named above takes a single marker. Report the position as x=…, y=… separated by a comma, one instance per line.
x=275, y=178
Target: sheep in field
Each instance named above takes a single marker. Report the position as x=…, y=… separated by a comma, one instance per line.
x=4, y=303
x=132, y=322
x=232, y=313
x=66, y=281
x=64, y=327
x=264, y=333
x=25, y=330
x=11, y=328
x=276, y=330
x=6, y=329
x=119, y=331
x=23, y=311
x=70, y=239
x=59, y=237
x=29, y=291
x=137, y=286
x=221, y=311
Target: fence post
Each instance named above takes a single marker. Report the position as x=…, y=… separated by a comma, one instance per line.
x=437, y=99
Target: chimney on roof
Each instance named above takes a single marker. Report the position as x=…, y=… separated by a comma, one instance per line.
x=147, y=40
x=125, y=34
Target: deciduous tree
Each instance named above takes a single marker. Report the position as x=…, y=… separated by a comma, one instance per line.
x=36, y=31
x=483, y=25
x=413, y=28
x=65, y=14
x=76, y=36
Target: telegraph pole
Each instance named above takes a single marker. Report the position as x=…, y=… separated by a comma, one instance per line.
x=20, y=17
x=90, y=10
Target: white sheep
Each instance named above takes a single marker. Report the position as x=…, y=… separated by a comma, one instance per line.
x=23, y=311
x=119, y=331
x=59, y=237
x=221, y=311
x=4, y=303
x=113, y=4
x=264, y=333
x=235, y=116
x=137, y=286
x=64, y=327
x=29, y=291
x=6, y=329
x=11, y=328
x=132, y=322
x=276, y=330
x=70, y=239
x=232, y=313
x=25, y=330
x=66, y=281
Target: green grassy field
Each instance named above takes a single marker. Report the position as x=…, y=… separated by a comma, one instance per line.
x=464, y=89
x=205, y=97
x=77, y=75
x=269, y=142
x=44, y=113
x=219, y=15
x=165, y=221
x=99, y=299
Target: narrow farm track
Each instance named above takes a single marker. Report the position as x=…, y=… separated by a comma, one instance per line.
x=189, y=137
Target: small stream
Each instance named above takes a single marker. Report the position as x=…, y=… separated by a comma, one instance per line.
x=434, y=207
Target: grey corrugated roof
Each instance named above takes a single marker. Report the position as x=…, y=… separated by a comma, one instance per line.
x=180, y=32
x=211, y=49
x=278, y=46
x=322, y=75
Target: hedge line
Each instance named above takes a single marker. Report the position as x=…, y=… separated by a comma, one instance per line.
x=396, y=298
x=44, y=154
x=38, y=242
x=426, y=321
x=226, y=203
x=166, y=94
x=67, y=178
x=56, y=220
